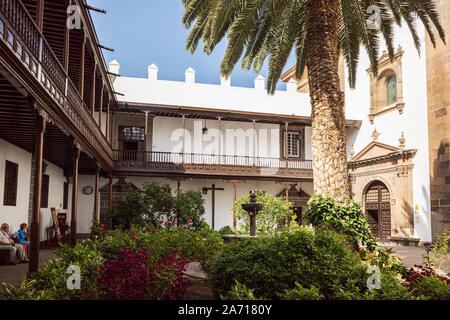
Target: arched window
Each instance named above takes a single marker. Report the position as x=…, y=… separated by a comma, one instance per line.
x=391, y=89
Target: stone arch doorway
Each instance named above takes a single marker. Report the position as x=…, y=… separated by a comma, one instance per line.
x=378, y=209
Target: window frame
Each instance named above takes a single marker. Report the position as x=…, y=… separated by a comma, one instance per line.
x=66, y=196
x=45, y=190
x=11, y=182
x=300, y=130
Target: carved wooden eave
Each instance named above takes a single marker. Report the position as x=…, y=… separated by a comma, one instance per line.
x=380, y=152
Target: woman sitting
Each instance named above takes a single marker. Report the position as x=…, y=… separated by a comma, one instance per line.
x=22, y=236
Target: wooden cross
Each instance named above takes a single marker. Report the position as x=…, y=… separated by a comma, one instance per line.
x=213, y=189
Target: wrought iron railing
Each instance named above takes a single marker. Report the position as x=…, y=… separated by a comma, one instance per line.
x=21, y=34
x=126, y=157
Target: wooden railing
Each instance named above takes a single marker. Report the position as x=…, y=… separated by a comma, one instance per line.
x=21, y=34
x=141, y=158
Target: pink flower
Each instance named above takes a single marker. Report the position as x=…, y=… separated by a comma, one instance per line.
x=185, y=227
x=133, y=237
x=149, y=229
x=190, y=221
x=169, y=223
x=161, y=221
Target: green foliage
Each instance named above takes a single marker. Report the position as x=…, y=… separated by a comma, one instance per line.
x=274, y=264
x=227, y=230
x=347, y=218
x=271, y=219
x=258, y=30
x=433, y=288
x=25, y=291
x=437, y=252
x=189, y=209
x=302, y=293
x=146, y=205
x=240, y=292
x=51, y=282
x=391, y=289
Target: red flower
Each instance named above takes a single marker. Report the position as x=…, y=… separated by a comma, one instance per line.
x=185, y=227
x=149, y=229
x=133, y=237
x=190, y=221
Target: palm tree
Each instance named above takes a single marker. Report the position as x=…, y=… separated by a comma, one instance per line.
x=320, y=31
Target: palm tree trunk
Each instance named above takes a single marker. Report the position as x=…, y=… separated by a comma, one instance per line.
x=327, y=101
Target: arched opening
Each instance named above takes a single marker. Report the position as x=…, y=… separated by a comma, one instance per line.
x=391, y=89
x=378, y=209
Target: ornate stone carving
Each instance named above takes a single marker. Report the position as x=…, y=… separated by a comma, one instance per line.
x=375, y=135
x=402, y=141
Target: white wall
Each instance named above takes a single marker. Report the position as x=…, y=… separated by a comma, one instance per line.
x=17, y=215
x=235, y=138
x=55, y=198
x=413, y=122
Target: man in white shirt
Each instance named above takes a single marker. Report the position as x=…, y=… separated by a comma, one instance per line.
x=6, y=243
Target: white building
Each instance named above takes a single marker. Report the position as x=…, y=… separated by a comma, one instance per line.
x=386, y=136
x=192, y=135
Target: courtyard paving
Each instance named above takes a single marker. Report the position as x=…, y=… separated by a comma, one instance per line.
x=15, y=274
x=413, y=255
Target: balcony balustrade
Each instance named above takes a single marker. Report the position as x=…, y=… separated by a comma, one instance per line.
x=192, y=163
x=22, y=36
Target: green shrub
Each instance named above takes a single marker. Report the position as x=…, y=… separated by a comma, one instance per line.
x=301, y=293
x=272, y=265
x=433, y=288
x=226, y=230
x=51, y=282
x=25, y=291
x=347, y=218
x=240, y=292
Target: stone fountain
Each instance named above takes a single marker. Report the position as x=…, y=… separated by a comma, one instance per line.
x=252, y=209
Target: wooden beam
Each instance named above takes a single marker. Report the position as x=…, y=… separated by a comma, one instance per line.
x=107, y=120
x=67, y=43
x=184, y=137
x=40, y=14
x=83, y=58
x=234, y=202
x=94, y=78
x=97, y=178
x=73, y=227
x=110, y=192
x=35, y=222
x=100, y=111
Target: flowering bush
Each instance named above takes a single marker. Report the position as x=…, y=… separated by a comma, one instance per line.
x=98, y=231
x=136, y=276
x=383, y=258
x=200, y=245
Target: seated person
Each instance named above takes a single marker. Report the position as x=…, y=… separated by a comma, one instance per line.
x=6, y=243
x=22, y=236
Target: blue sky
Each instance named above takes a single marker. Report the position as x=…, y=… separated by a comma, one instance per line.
x=143, y=32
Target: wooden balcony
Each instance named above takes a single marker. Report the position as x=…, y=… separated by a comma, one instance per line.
x=205, y=165
x=30, y=58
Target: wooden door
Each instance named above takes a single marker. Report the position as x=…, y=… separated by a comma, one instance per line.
x=378, y=210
